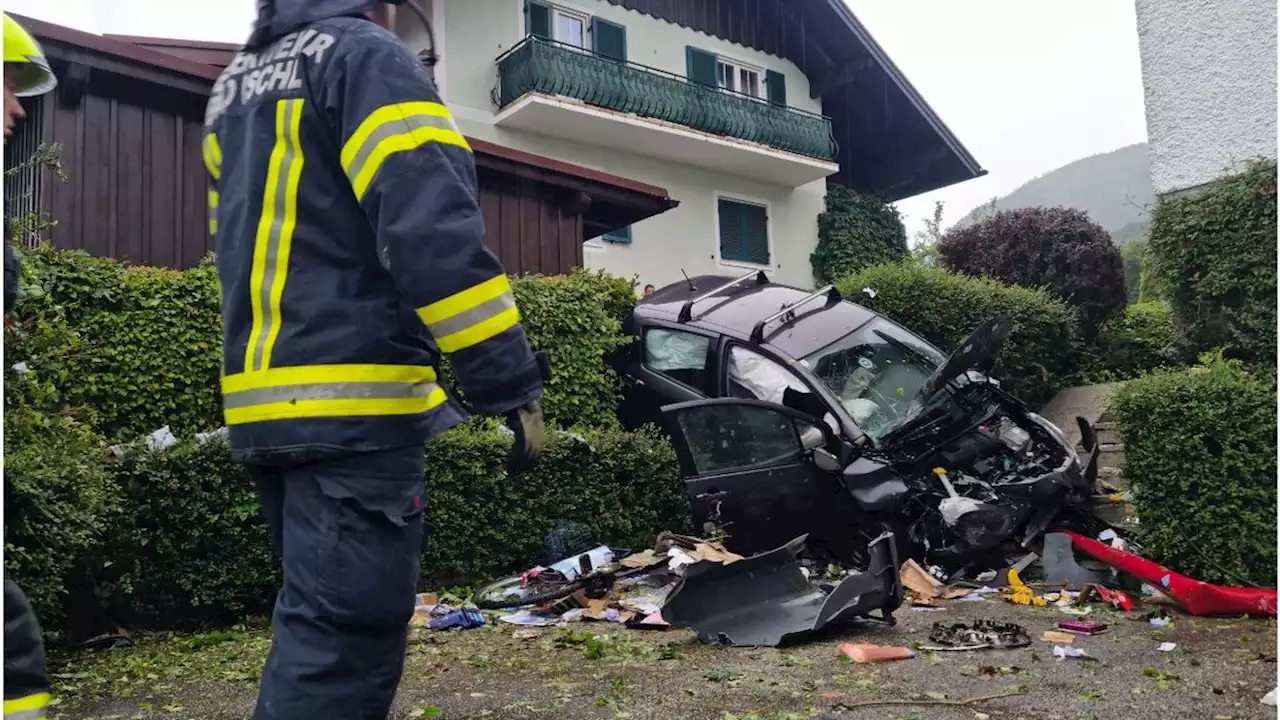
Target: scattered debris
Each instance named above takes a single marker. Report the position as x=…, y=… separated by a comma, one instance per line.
x=979, y=635
x=919, y=581
x=1062, y=652
x=1115, y=598
x=1019, y=593
x=1058, y=637
x=1161, y=621
x=862, y=653
x=1270, y=698
x=529, y=618
x=932, y=701
x=1167, y=647
x=1082, y=627
x=1060, y=565
x=463, y=618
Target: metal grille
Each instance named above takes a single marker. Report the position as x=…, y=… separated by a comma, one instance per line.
x=23, y=187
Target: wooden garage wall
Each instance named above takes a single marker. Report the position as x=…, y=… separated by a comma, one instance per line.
x=135, y=185
x=527, y=226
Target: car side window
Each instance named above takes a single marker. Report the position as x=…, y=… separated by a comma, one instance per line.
x=722, y=438
x=679, y=355
x=752, y=375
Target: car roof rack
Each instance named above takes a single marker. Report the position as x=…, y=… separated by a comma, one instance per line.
x=830, y=292
x=686, y=310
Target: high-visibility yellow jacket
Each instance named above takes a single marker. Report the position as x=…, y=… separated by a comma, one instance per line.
x=349, y=245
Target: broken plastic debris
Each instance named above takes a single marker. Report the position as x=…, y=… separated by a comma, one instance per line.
x=1019, y=594
x=976, y=636
x=1082, y=627
x=161, y=439
x=1161, y=621
x=986, y=577
x=869, y=292
x=464, y=618
x=1062, y=652
x=1107, y=535
x=863, y=653
x=1168, y=647
x=20, y=368
x=1270, y=698
x=531, y=619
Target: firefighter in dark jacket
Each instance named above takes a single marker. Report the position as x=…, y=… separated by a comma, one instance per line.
x=26, y=682
x=349, y=247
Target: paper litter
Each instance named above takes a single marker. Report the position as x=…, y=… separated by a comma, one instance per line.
x=1062, y=653
x=1168, y=647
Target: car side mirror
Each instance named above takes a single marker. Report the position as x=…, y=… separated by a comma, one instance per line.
x=826, y=460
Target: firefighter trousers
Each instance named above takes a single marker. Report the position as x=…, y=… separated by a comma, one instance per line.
x=26, y=684
x=348, y=532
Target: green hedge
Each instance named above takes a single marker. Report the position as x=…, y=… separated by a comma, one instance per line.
x=1141, y=339
x=148, y=340
x=184, y=545
x=856, y=231
x=1200, y=451
x=1215, y=251
x=943, y=307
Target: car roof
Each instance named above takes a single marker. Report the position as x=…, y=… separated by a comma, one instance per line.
x=736, y=311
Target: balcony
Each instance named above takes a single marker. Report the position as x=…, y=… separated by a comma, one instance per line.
x=562, y=91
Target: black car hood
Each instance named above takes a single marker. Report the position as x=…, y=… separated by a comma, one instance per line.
x=977, y=353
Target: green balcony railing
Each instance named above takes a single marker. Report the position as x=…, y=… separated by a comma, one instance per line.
x=537, y=65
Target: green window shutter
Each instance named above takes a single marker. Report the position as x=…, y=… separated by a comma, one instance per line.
x=755, y=233
x=621, y=236
x=537, y=20
x=776, y=83
x=609, y=39
x=701, y=66
x=744, y=232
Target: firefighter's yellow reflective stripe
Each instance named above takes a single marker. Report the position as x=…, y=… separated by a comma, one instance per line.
x=31, y=707
x=212, y=155
x=329, y=391
x=473, y=315
x=391, y=129
x=213, y=212
x=275, y=235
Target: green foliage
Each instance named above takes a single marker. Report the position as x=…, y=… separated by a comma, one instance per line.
x=624, y=486
x=1200, y=451
x=1058, y=249
x=1134, y=256
x=57, y=490
x=573, y=318
x=1215, y=252
x=1141, y=339
x=856, y=231
x=944, y=308
x=188, y=545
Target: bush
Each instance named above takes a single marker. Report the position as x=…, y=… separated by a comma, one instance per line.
x=573, y=319
x=1134, y=256
x=1058, y=249
x=57, y=493
x=944, y=308
x=186, y=545
x=1215, y=252
x=1200, y=451
x=1141, y=339
x=854, y=232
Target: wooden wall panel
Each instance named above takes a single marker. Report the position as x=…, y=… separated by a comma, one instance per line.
x=527, y=227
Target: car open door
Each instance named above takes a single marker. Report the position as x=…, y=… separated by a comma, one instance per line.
x=757, y=469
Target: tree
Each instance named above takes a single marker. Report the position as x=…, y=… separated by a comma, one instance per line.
x=854, y=232
x=1059, y=249
x=924, y=248
x=32, y=223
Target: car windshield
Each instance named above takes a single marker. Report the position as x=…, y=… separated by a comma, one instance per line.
x=876, y=371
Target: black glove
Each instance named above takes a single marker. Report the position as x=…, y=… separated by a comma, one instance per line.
x=529, y=428
x=531, y=434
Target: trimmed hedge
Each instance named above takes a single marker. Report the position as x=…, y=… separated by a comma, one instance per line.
x=856, y=231
x=1215, y=251
x=149, y=340
x=943, y=307
x=184, y=544
x=1141, y=339
x=1200, y=451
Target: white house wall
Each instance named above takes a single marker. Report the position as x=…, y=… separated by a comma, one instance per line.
x=685, y=238
x=1209, y=71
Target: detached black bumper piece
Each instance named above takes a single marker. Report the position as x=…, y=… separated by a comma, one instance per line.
x=765, y=600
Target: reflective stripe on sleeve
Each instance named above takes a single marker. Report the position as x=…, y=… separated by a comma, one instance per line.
x=329, y=391
x=212, y=153
x=473, y=315
x=391, y=129
x=275, y=235
x=213, y=212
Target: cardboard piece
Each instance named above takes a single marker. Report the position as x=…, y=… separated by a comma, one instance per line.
x=919, y=581
x=1058, y=637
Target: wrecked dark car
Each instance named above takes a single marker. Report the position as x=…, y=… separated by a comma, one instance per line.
x=797, y=412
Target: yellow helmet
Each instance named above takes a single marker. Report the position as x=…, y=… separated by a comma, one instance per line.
x=32, y=75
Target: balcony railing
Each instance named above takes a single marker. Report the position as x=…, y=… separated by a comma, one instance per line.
x=543, y=66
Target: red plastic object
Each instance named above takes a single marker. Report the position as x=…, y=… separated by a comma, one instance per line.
x=1199, y=598
x=1117, y=598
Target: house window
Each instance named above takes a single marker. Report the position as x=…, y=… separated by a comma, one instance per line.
x=739, y=78
x=621, y=235
x=570, y=28
x=744, y=232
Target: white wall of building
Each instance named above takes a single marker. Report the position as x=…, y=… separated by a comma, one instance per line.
x=471, y=34
x=1209, y=71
